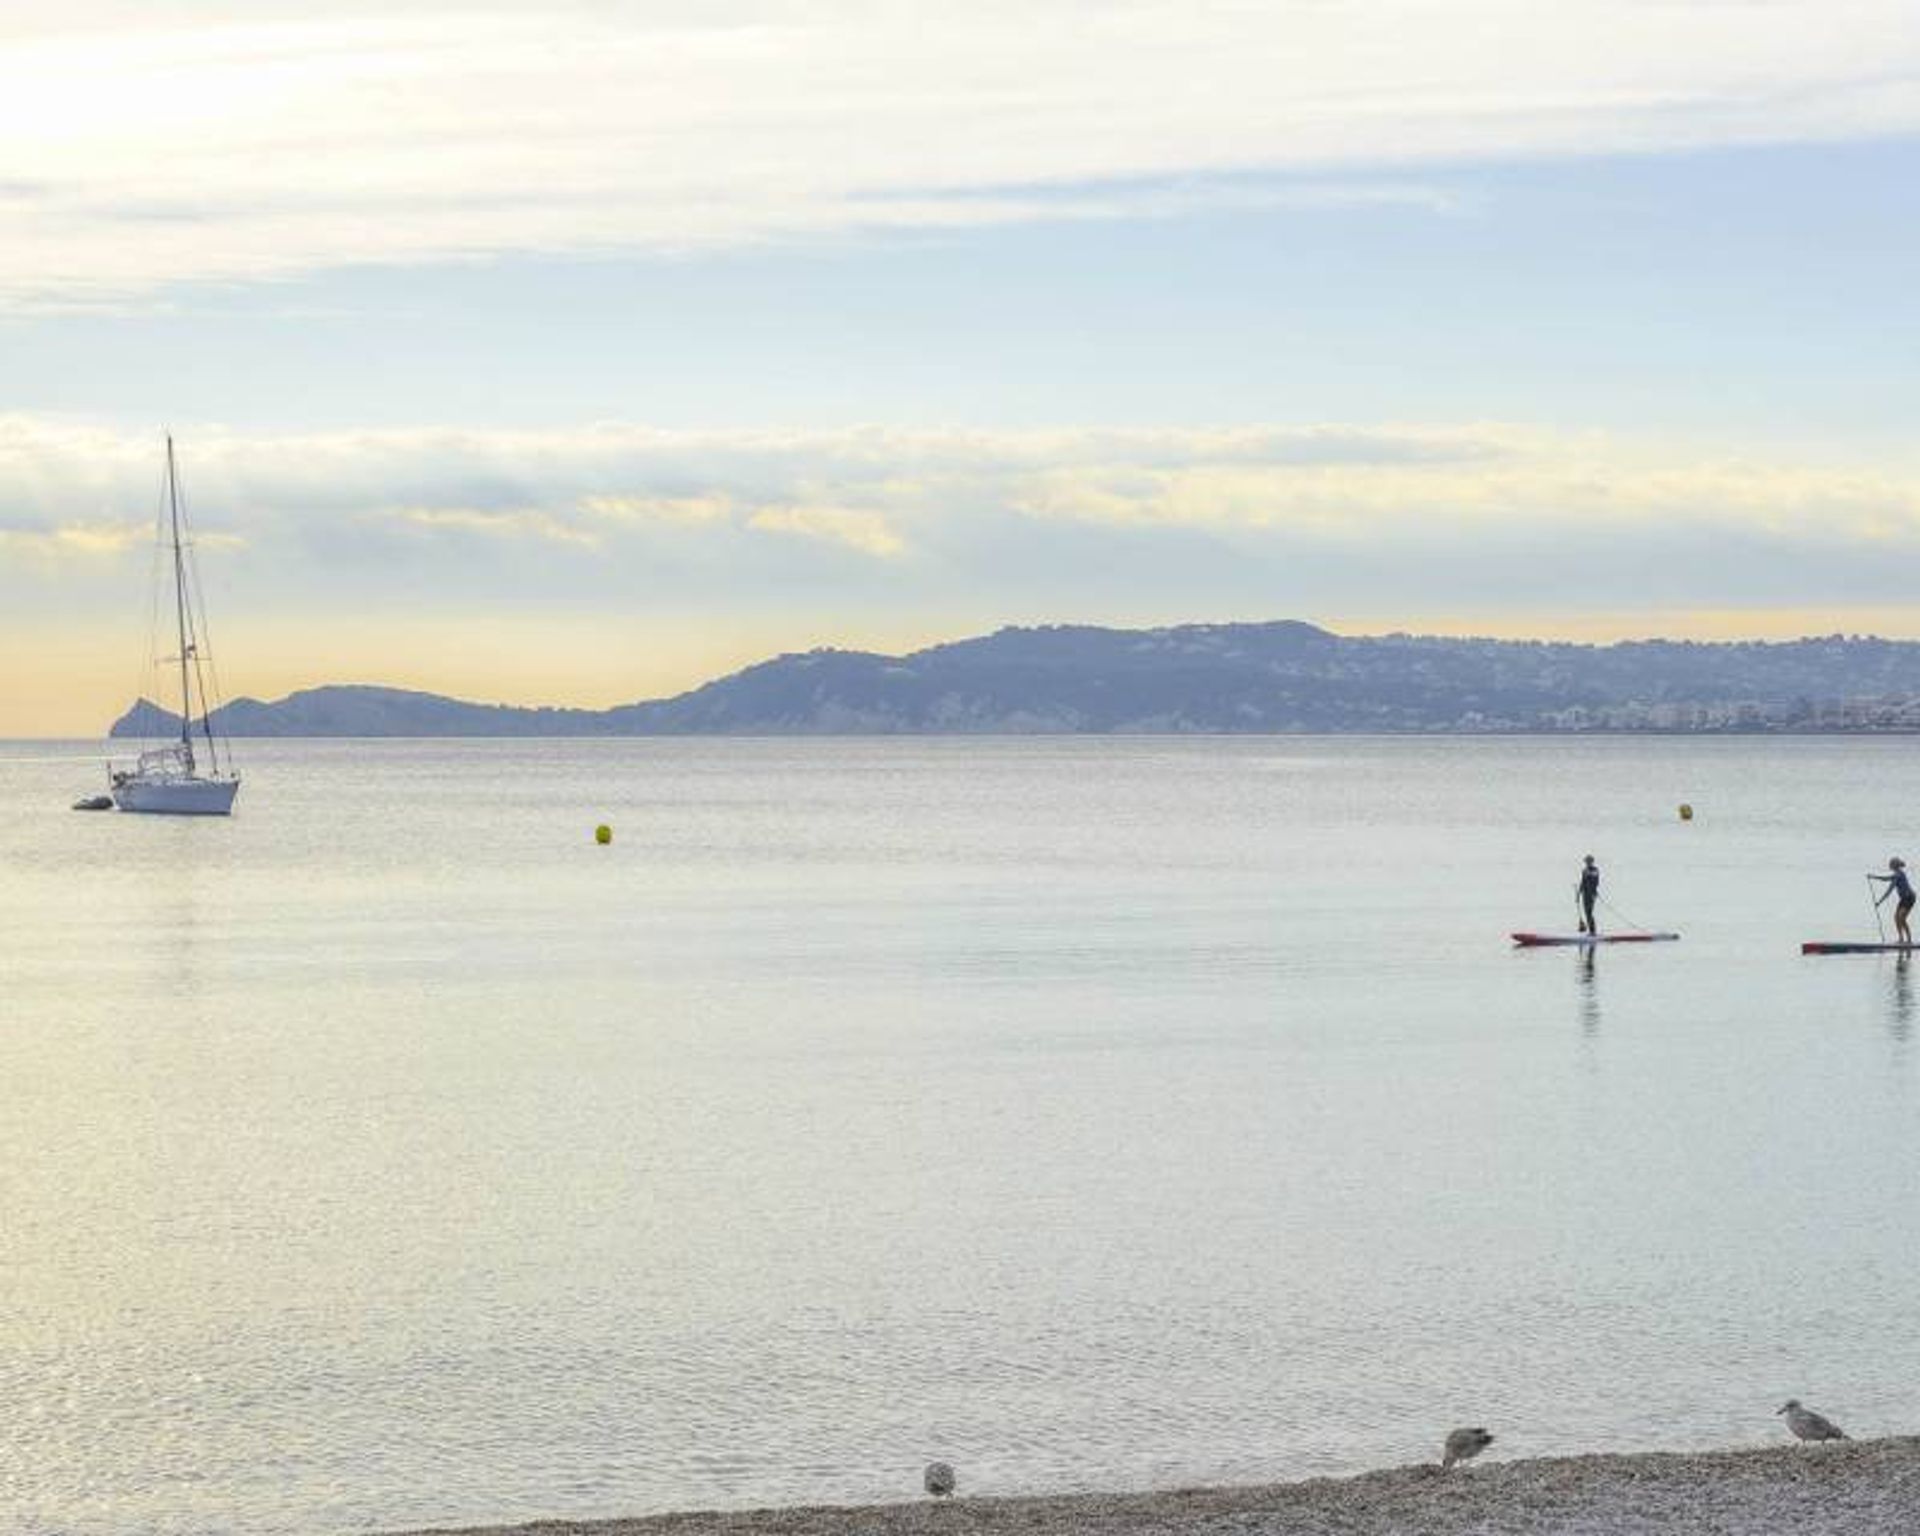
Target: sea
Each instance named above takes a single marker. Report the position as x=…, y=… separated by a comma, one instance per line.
x=1088, y=1113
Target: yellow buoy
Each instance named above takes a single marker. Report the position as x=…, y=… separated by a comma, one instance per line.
x=603, y=834
x=1686, y=812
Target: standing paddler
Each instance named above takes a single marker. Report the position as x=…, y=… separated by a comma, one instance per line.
x=1897, y=884
x=1587, y=892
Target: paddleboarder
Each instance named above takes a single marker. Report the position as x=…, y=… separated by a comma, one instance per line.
x=1897, y=884
x=1587, y=892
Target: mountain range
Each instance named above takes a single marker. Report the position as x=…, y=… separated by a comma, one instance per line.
x=1277, y=677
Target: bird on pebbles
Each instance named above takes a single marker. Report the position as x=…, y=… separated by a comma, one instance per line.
x=1808, y=1425
x=938, y=1479
x=1464, y=1445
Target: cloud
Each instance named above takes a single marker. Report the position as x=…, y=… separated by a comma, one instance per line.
x=73, y=541
x=874, y=489
x=507, y=525
x=672, y=511
x=867, y=532
x=245, y=143
x=1534, y=481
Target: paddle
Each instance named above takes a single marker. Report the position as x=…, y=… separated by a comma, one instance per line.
x=1616, y=912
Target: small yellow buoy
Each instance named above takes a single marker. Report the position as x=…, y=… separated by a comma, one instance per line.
x=1686, y=812
x=603, y=834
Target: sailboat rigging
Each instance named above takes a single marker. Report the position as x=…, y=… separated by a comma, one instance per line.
x=173, y=779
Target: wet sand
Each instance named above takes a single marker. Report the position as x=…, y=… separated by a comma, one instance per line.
x=1861, y=1488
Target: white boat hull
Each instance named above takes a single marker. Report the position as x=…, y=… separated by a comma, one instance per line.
x=177, y=797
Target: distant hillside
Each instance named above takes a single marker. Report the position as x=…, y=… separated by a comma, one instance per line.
x=355, y=710
x=1238, y=678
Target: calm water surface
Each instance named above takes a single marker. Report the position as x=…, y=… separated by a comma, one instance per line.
x=1090, y=1113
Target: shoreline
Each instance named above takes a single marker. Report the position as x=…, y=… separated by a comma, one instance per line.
x=1850, y=1488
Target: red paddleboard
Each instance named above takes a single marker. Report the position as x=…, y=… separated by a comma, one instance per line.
x=1821, y=947
x=1539, y=940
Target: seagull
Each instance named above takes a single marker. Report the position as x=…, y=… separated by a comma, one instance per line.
x=939, y=1479
x=1808, y=1425
x=1464, y=1445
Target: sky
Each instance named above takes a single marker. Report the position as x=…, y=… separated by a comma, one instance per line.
x=578, y=353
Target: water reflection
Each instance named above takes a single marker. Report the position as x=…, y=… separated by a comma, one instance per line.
x=1589, y=991
x=1900, y=1010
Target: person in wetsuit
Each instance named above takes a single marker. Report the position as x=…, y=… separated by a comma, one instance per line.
x=1589, y=892
x=1897, y=884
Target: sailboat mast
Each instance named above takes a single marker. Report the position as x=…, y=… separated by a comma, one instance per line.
x=180, y=608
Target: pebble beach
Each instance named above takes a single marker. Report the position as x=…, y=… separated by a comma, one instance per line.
x=1859, y=1488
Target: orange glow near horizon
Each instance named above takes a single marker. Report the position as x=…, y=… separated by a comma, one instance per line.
x=591, y=662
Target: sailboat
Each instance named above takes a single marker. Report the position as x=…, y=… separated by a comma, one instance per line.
x=180, y=779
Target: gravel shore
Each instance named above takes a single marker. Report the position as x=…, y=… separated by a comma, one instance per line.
x=1862, y=1488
